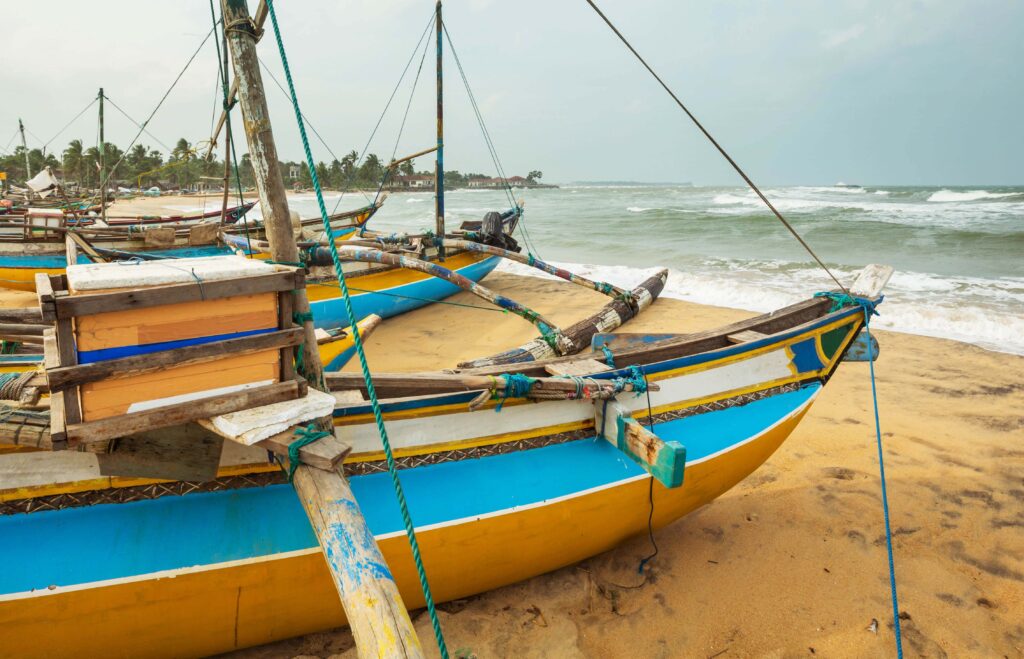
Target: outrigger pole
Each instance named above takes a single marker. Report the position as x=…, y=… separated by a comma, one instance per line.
x=376, y=614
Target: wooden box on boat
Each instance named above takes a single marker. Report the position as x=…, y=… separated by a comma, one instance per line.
x=162, y=343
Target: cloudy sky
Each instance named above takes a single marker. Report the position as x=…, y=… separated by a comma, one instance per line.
x=802, y=92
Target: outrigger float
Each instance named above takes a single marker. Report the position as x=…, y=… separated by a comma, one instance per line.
x=171, y=529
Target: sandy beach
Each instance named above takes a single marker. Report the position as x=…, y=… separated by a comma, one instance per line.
x=792, y=561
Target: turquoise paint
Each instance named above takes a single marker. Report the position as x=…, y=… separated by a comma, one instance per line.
x=670, y=461
x=173, y=532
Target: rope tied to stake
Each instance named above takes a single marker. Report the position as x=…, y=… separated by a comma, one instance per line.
x=306, y=436
x=636, y=378
x=843, y=300
x=517, y=385
x=609, y=357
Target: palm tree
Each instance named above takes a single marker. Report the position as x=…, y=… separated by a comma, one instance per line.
x=73, y=161
x=348, y=163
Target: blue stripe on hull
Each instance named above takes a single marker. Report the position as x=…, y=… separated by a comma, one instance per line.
x=200, y=529
x=89, y=356
x=330, y=314
x=59, y=261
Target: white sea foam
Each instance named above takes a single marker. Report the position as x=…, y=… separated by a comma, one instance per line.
x=969, y=195
x=639, y=209
x=981, y=311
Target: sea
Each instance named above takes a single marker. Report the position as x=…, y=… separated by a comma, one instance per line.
x=958, y=251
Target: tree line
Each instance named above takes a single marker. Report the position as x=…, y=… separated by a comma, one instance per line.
x=185, y=166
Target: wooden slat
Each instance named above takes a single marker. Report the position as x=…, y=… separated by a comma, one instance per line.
x=142, y=298
x=44, y=293
x=324, y=453
x=871, y=280
x=664, y=460
x=58, y=425
x=578, y=367
x=21, y=315
x=285, y=306
x=23, y=329
x=103, y=430
x=64, y=377
x=68, y=356
x=746, y=336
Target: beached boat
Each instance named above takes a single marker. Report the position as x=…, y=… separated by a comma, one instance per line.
x=200, y=568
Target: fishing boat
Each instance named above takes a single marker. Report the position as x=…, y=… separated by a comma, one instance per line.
x=210, y=567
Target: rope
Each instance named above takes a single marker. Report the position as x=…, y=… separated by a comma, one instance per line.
x=517, y=385
x=13, y=384
x=869, y=310
x=410, y=530
x=721, y=150
x=137, y=124
x=306, y=436
x=609, y=357
x=91, y=103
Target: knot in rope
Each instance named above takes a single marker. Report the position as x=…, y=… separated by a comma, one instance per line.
x=605, y=287
x=306, y=436
x=530, y=260
x=609, y=358
x=303, y=317
x=636, y=378
x=245, y=26
x=842, y=300
x=551, y=338
x=517, y=385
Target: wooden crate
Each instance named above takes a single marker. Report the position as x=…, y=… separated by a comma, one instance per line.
x=138, y=347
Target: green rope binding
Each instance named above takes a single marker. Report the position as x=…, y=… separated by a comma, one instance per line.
x=410, y=530
x=306, y=436
x=517, y=385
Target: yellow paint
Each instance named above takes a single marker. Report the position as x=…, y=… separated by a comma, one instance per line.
x=221, y=609
x=24, y=279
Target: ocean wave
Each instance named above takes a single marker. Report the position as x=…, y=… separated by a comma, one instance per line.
x=639, y=209
x=972, y=310
x=970, y=195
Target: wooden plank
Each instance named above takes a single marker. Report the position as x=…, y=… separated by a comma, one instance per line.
x=285, y=308
x=577, y=367
x=664, y=460
x=44, y=293
x=175, y=322
x=70, y=249
x=23, y=329
x=63, y=377
x=745, y=336
x=93, y=255
x=58, y=425
x=142, y=298
x=29, y=315
x=871, y=280
x=172, y=415
x=182, y=453
x=67, y=355
x=324, y=453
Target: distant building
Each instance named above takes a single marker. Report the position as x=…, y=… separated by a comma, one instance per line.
x=414, y=182
x=293, y=172
x=497, y=183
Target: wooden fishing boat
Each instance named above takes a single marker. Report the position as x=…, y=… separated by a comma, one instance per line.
x=231, y=215
x=37, y=243
x=210, y=567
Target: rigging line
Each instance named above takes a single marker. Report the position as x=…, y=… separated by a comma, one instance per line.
x=142, y=126
x=91, y=103
x=11, y=141
x=718, y=146
x=229, y=139
x=137, y=124
x=405, y=117
x=394, y=92
x=480, y=119
x=35, y=137
x=304, y=118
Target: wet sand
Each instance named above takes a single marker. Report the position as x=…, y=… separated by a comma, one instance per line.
x=792, y=561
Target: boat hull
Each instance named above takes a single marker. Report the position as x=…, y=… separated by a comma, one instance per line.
x=277, y=585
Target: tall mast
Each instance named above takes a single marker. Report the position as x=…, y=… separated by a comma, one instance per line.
x=24, y=146
x=439, y=171
x=103, y=164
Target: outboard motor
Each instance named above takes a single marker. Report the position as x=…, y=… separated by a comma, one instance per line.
x=492, y=232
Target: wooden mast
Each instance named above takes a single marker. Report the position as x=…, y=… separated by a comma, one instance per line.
x=103, y=165
x=376, y=614
x=439, y=165
x=24, y=147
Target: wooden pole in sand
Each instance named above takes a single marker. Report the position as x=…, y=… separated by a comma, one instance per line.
x=379, y=620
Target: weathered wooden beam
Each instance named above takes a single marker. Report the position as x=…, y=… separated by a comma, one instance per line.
x=746, y=336
x=187, y=452
x=664, y=460
x=103, y=430
x=64, y=377
x=92, y=303
x=24, y=329
x=577, y=367
x=20, y=315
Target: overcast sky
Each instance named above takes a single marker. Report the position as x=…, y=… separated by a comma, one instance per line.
x=863, y=91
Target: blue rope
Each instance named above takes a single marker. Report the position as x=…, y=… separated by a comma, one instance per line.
x=869, y=310
x=410, y=530
x=839, y=301
x=609, y=358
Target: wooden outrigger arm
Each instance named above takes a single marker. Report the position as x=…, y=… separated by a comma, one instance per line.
x=534, y=262
x=560, y=343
